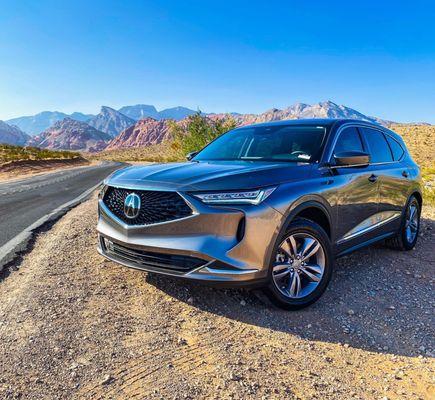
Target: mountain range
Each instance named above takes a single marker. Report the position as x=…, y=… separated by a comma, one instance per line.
x=150, y=131
x=326, y=109
x=36, y=124
x=142, y=125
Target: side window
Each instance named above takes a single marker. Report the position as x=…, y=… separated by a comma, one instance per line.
x=378, y=146
x=349, y=140
x=395, y=147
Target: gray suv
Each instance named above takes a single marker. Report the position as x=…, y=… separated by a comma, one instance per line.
x=268, y=205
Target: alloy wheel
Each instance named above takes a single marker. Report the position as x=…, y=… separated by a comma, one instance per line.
x=299, y=265
x=412, y=221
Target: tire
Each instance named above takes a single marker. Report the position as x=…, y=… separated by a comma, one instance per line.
x=402, y=241
x=282, y=291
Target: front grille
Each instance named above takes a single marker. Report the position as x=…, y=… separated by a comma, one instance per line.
x=156, y=206
x=174, y=263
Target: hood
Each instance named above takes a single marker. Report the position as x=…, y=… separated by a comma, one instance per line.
x=210, y=175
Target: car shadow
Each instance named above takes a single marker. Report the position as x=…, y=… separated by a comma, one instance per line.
x=379, y=299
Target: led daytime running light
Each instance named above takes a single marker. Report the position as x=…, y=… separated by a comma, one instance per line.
x=245, y=197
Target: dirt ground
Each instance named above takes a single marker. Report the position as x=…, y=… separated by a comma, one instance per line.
x=73, y=325
x=27, y=168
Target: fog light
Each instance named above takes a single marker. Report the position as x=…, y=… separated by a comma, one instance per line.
x=108, y=245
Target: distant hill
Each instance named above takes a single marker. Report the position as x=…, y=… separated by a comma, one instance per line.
x=177, y=113
x=140, y=111
x=111, y=121
x=35, y=124
x=10, y=134
x=69, y=134
x=146, y=132
x=326, y=109
x=420, y=140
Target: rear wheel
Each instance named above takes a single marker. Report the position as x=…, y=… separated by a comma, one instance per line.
x=409, y=228
x=301, y=266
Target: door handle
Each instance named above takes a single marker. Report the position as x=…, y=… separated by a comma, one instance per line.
x=373, y=178
x=405, y=174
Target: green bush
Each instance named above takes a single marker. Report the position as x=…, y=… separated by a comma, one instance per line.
x=18, y=153
x=195, y=133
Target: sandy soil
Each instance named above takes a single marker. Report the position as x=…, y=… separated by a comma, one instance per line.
x=73, y=325
x=27, y=168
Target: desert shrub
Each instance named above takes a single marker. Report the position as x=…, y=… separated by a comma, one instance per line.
x=18, y=153
x=428, y=175
x=161, y=152
x=420, y=140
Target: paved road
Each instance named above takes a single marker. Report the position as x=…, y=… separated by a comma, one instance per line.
x=23, y=202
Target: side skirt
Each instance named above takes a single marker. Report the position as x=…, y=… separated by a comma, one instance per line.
x=366, y=243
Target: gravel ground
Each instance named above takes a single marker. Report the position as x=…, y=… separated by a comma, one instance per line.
x=73, y=325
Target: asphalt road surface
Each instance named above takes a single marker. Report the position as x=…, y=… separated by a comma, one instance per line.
x=25, y=201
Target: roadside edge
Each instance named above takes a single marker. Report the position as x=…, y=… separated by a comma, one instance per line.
x=19, y=243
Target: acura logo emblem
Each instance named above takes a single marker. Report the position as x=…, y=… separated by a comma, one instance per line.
x=132, y=205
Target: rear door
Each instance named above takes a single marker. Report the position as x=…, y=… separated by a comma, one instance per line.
x=357, y=193
x=386, y=156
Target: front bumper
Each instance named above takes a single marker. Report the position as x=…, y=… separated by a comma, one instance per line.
x=220, y=244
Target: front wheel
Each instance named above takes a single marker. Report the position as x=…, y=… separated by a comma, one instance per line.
x=301, y=266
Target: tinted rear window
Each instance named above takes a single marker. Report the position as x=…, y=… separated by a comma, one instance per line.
x=378, y=146
x=396, y=148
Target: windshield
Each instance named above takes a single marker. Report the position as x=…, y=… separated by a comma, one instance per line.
x=267, y=143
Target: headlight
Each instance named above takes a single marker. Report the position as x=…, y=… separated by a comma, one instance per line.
x=242, y=197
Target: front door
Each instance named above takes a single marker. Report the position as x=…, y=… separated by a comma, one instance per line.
x=357, y=194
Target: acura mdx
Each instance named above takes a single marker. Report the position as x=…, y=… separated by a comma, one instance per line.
x=267, y=205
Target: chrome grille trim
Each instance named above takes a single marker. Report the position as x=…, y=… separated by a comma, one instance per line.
x=177, y=207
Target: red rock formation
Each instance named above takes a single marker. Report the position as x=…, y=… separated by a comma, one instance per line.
x=145, y=132
x=70, y=134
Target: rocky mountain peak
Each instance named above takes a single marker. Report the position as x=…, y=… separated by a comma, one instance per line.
x=69, y=134
x=111, y=121
x=107, y=110
x=11, y=134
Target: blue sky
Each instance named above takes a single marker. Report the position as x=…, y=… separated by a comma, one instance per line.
x=247, y=56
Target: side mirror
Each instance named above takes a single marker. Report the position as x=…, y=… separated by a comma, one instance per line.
x=191, y=155
x=351, y=159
